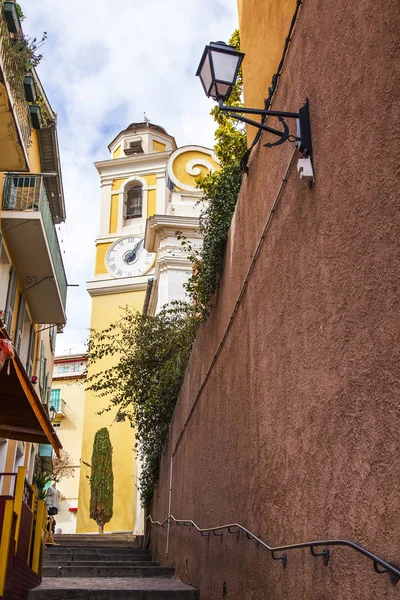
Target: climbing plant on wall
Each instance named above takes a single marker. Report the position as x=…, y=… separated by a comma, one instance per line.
x=151, y=357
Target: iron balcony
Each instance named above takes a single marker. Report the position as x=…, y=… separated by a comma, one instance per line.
x=28, y=227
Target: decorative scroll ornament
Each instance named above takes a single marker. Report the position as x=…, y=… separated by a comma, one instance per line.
x=204, y=158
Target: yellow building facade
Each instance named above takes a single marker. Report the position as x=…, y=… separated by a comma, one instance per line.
x=33, y=289
x=68, y=401
x=146, y=176
x=264, y=27
x=33, y=285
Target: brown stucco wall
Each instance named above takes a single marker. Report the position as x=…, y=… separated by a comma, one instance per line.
x=294, y=432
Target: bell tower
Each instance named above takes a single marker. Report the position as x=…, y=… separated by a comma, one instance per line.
x=145, y=180
x=133, y=187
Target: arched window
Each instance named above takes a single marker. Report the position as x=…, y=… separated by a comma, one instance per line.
x=134, y=201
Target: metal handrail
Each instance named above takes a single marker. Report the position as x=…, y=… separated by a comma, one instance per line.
x=235, y=528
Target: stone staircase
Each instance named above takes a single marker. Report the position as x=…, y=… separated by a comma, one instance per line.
x=104, y=567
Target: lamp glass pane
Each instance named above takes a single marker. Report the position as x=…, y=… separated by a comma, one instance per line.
x=223, y=89
x=225, y=65
x=205, y=73
x=213, y=91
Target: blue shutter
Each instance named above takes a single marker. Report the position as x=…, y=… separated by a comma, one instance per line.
x=31, y=350
x=10, y=302
x=20, y=323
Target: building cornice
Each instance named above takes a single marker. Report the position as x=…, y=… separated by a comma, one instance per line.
x=158, y=227
x=70, y=358
x=128, y=163
x=113, y=286
x=69, y=377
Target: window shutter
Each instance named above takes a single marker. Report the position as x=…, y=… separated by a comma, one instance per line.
x=10, y=302
x=52, y=336
x=56, y=399
x=42, y=366
x=31, y=350
x=45, y=388
x=20, y=323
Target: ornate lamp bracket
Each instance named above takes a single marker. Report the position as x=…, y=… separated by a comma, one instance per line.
x=303, y=137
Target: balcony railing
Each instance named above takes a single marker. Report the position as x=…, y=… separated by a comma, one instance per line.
x=14, y=81
x=58, y=405
x=28, y=193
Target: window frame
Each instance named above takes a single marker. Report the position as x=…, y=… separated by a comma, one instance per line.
x=137, y=187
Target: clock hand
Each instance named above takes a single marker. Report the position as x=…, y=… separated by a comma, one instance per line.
x=129, y=257
x=140, y=242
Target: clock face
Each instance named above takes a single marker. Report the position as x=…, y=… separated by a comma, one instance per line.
x=127, y=257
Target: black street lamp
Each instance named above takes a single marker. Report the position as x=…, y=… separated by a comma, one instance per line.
x=52, y=413
x=218, y=71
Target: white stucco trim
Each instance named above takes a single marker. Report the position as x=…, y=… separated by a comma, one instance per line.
x=158, y=227
x=116, y=286
x=121, y=198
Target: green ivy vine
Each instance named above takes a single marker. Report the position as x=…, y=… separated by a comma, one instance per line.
x=151, y=356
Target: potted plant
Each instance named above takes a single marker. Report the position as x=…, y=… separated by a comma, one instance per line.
x=29, y=88
x=12, y=17
x=36, y=116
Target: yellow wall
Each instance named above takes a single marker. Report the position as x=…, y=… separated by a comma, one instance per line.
x=70, y=435
x=117, y=184
x=264, y=26
x=9, y=466
x=180, y=163
x=105, y=310
x=114, y=213
x=11, y=154
x=158, y=146
x=117, y=152
x=101, y=250
x=151, y=203
x=34, y=153
x=150, y=179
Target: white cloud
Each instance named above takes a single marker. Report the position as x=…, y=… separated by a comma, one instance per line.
x=104, y=64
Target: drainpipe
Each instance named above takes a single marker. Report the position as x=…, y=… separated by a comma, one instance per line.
x=169, y=504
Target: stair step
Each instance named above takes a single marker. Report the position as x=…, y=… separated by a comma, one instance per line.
x=114, y=588
x=100, y=540
x=54, y=562
x=97, y=560
x=98, y=571
x=61, y=559
x=53, y=550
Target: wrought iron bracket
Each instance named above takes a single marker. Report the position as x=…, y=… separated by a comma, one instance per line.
x=325, y=555
x=303, y=137
x=40, y=329
x=393, y=577
x=33, y=281
x=283, y=558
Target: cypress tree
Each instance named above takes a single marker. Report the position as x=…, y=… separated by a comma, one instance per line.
x=101, y=480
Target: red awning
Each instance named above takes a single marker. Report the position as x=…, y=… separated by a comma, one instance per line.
x=22, y=416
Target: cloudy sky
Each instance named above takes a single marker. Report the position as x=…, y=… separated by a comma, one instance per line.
x=104, y=64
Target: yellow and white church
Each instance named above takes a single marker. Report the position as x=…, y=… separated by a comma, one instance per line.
x=148, y=193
